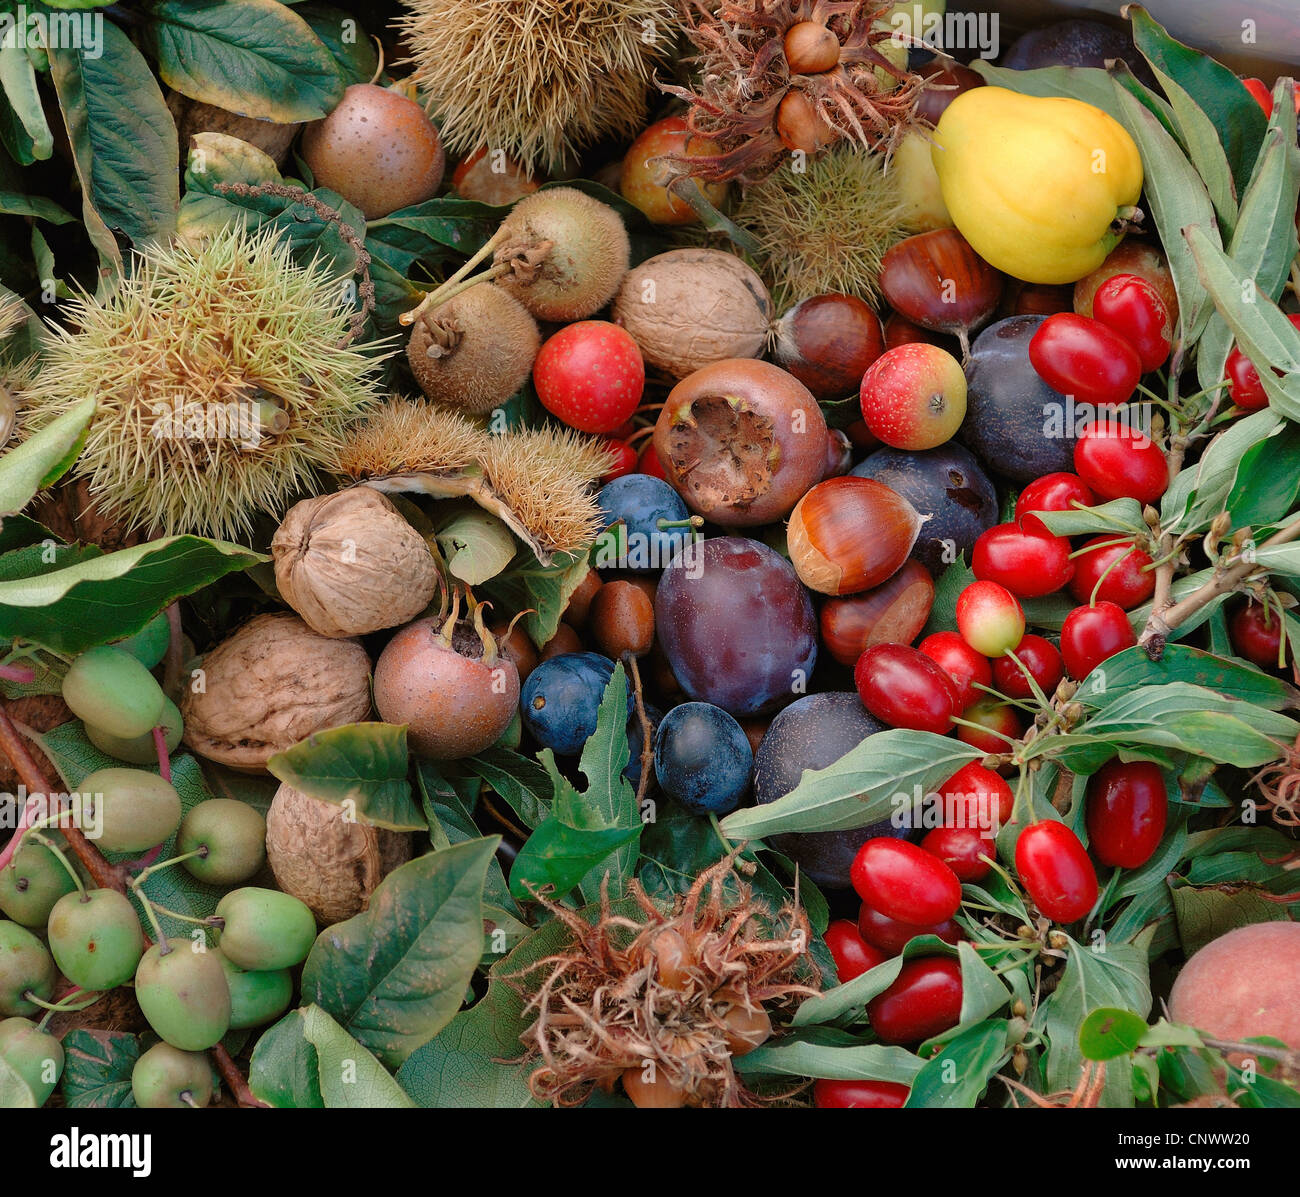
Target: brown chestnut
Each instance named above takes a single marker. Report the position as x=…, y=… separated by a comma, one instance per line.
x=1038, y=299
x=622, y=620
x=893, y=613
x=944, y=82
x=741, y=441
x=800, y=125
x=811, y=48
x=938, y=281
x=839, y=453
x=849, y=534
x=827, y=342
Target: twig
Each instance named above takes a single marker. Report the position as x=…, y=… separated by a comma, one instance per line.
x=174, y=661
x=235, y=1080
x=647, y=751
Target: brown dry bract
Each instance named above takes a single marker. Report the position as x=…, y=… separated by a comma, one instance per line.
x=601, y=1008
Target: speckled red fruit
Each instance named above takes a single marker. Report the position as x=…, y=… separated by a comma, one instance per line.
x=377, y=149
x=914, y=397
x=852, y=954
x=590, y=375
x=644, y=172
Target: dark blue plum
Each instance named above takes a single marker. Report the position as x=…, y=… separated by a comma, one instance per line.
x=560, y=700
x=949, y=487
x=812, y=734
x=1014, y=420
x=703, y=758
x=641, y=503
x=1076, y=43
x=736, y=625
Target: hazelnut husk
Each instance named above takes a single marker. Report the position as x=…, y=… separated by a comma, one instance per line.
x=349, y=564
x=268, y=685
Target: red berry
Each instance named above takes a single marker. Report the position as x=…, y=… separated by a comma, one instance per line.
x=891, y=936
x=961, y=849
x=1052, y=492
x=925, y=1001
x=1256, y=634
x=1121, y=462
x=960, y=662
x=902, y=687
x=1090, y=635
x=976, y=797
x=1127, y=808
x=1263, y=97
x=590, y=375
x=852, y=954
x=1055, y=870
x=1131, y=306
x=859, y=1095
x=1123, y=571
x=1080, y=356
x=1028, y=564
x=989, y=618
x=1037, y=655
x=649, y=463
x=1245, y=388
x=998, y=717
x=899, y=879
x=623, y=457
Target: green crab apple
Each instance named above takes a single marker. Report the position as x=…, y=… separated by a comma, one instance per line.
x=265, y=929
x=166, y=1078
x=128, y=810
x=230, y=834
x=34, y=1054
x=184, y=995
x=32, y=882
x=256, y=996
x=114, y=691
x=25, y=968
x=96, y=938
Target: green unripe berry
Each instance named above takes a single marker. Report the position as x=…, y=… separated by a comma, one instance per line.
x=33, y=1054
x=128, y=810
x=256, y=997
x=31, y=883
x=112, y=690
x=24, y=965
x=184, y=995
x=234, y=836
x=166, y=1078
x=149, y=644
x=96, y=940
x=141, y=750
x=265, y=929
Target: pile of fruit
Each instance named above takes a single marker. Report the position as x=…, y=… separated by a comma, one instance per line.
x=657, y=554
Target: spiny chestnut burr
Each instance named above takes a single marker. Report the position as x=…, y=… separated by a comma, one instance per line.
x=849, y=534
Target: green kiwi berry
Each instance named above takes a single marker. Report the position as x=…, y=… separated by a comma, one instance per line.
x=114, y=691
x=96, y=938
x=25, y=966
x=35, y=1055
x=128, y=810
x=140, y=750
x=184, y=995
x=149, y=644
x=166, y=1078
x=265, y=929
x=31, y=884
x=256, y=997
x=231, y=833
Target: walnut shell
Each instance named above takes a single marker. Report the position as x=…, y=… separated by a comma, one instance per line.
x=692, y=307
x=270, y=684
x=349, y=564
x=325, y=860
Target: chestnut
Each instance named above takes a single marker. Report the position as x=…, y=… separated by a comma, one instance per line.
x=827, y=342
x=849, y=534
x=741, y=440
x=944, y=82
x=892, y=613
x=938, y=281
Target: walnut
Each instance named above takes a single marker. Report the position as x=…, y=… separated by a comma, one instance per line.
x=269, y=685
x=692, y=307
x=322, y=858
x=349, y=564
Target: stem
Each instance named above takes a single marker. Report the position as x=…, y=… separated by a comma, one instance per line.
x=234, y=1079
x=34, y=833
x=174, y=661
x=450, y=287
x=647, y=749
x=67, y=1004
x=164, y=757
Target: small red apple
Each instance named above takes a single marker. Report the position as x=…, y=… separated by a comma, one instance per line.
x=492, y=178
x=914, y=396
x=642, y=178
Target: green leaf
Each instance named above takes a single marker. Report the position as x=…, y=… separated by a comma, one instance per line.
x=852, y=996
x=115, y=594
x=982, y=991
x=123, y=140
x=1092, y=85
x=255, y=57
x=283, y=1071
x=957, y=1077
x=887, y=773
x=476, y=545
x=1266, y=336
x=947, y=587
x=1201, y=491
x=350, y=1076
x=432, y=232
x=43, y=458
x=833, y=1055
x=1267, y=486
x=448, y=797
x=97, y=1072
x=559, y=855
x=339, y=32
x=1205, y=914
x=522, y=782
x=1177, y=198
x=1132, y=670
x=396, y=974
x=361, y=766
x=1119, y=515
x=1108, y=1033
x=542, y=590
x=1208, y=99
x=24, y=129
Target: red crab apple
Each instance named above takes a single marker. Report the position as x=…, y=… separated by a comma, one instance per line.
x=914, y=397
x=646, y=172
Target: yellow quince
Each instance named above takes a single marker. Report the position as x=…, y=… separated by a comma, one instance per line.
x=1040, y=187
